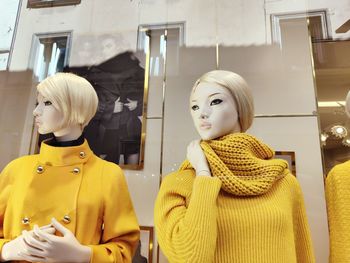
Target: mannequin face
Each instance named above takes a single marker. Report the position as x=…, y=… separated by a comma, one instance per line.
x=214, y=111
x=47, y=117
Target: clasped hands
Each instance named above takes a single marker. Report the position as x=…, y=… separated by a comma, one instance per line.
x=42, y=245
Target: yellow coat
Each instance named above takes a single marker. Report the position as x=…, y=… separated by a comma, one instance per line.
x=338, y=207
x=85, y=193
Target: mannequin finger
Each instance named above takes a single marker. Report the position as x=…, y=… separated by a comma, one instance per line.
x=50, y=230
x=28, y=250
x=43, y=235
x=60, y=227
x=31, y=258
x=31, y=241
x=190, y=146
x=34, y=252
x=46, y=226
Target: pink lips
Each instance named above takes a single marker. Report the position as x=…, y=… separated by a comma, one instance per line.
x=205, y=125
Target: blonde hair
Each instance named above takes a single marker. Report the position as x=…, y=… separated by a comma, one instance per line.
x=239, y=90
x=72, y=95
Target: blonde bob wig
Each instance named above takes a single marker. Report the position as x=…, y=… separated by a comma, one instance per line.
x=239, y=90
x=72, y=95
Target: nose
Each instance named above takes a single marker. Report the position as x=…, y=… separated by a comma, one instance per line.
x=203, y=116
x=205, y=112
x=36, y=111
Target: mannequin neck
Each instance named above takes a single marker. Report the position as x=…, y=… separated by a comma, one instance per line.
x=70, y=133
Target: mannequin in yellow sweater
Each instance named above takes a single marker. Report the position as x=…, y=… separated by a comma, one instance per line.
x=338, y=208
x=230, y=201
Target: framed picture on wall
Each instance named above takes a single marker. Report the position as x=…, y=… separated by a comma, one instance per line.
x=144, y=250
x=120, y=78
x=289, y=157
x=51, y=3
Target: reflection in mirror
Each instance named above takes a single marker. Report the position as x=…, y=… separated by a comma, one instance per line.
x=49, y=54
x=332, y=69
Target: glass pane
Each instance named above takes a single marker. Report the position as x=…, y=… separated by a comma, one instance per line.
x=49, y=55
x=3, y=61
x=8, y=14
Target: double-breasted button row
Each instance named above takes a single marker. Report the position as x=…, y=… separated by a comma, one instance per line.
x=66, y=219
x=41, y=169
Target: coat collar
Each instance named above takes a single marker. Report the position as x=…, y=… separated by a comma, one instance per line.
x=61, y=156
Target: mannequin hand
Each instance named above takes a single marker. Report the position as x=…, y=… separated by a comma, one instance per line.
x=13, y=249
x=56, y=249
x=118, y=106
x=132, y=104
x=196, y=157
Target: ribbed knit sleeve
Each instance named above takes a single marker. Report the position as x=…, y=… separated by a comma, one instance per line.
x=338, y=207
x=185, y=217
x=302, y=235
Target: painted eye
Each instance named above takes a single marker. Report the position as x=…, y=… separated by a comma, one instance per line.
x=36, y=104
x=195, y=107
x=47, y=103
x=215, y=102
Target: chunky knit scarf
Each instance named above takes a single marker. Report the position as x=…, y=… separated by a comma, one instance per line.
x=244, y=165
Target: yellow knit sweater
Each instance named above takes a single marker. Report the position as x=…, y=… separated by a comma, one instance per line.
x=338, y=206
x=250, y=211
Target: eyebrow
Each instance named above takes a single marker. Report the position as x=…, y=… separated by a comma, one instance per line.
x=210, y=95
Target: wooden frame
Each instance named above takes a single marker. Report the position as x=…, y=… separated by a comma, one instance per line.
x=276, y=18
x=145, y=250
x=290, y=158
x=51, y=3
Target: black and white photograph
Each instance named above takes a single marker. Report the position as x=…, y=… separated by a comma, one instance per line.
x=115, y=133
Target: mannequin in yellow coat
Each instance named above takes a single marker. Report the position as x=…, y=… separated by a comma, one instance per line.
x=65, y=204
x=338, y=207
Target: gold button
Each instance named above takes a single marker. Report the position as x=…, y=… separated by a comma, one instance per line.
x=66, y=219
x=40, y=169
x=25, y=221
x=82, y=155
x=76, y=170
